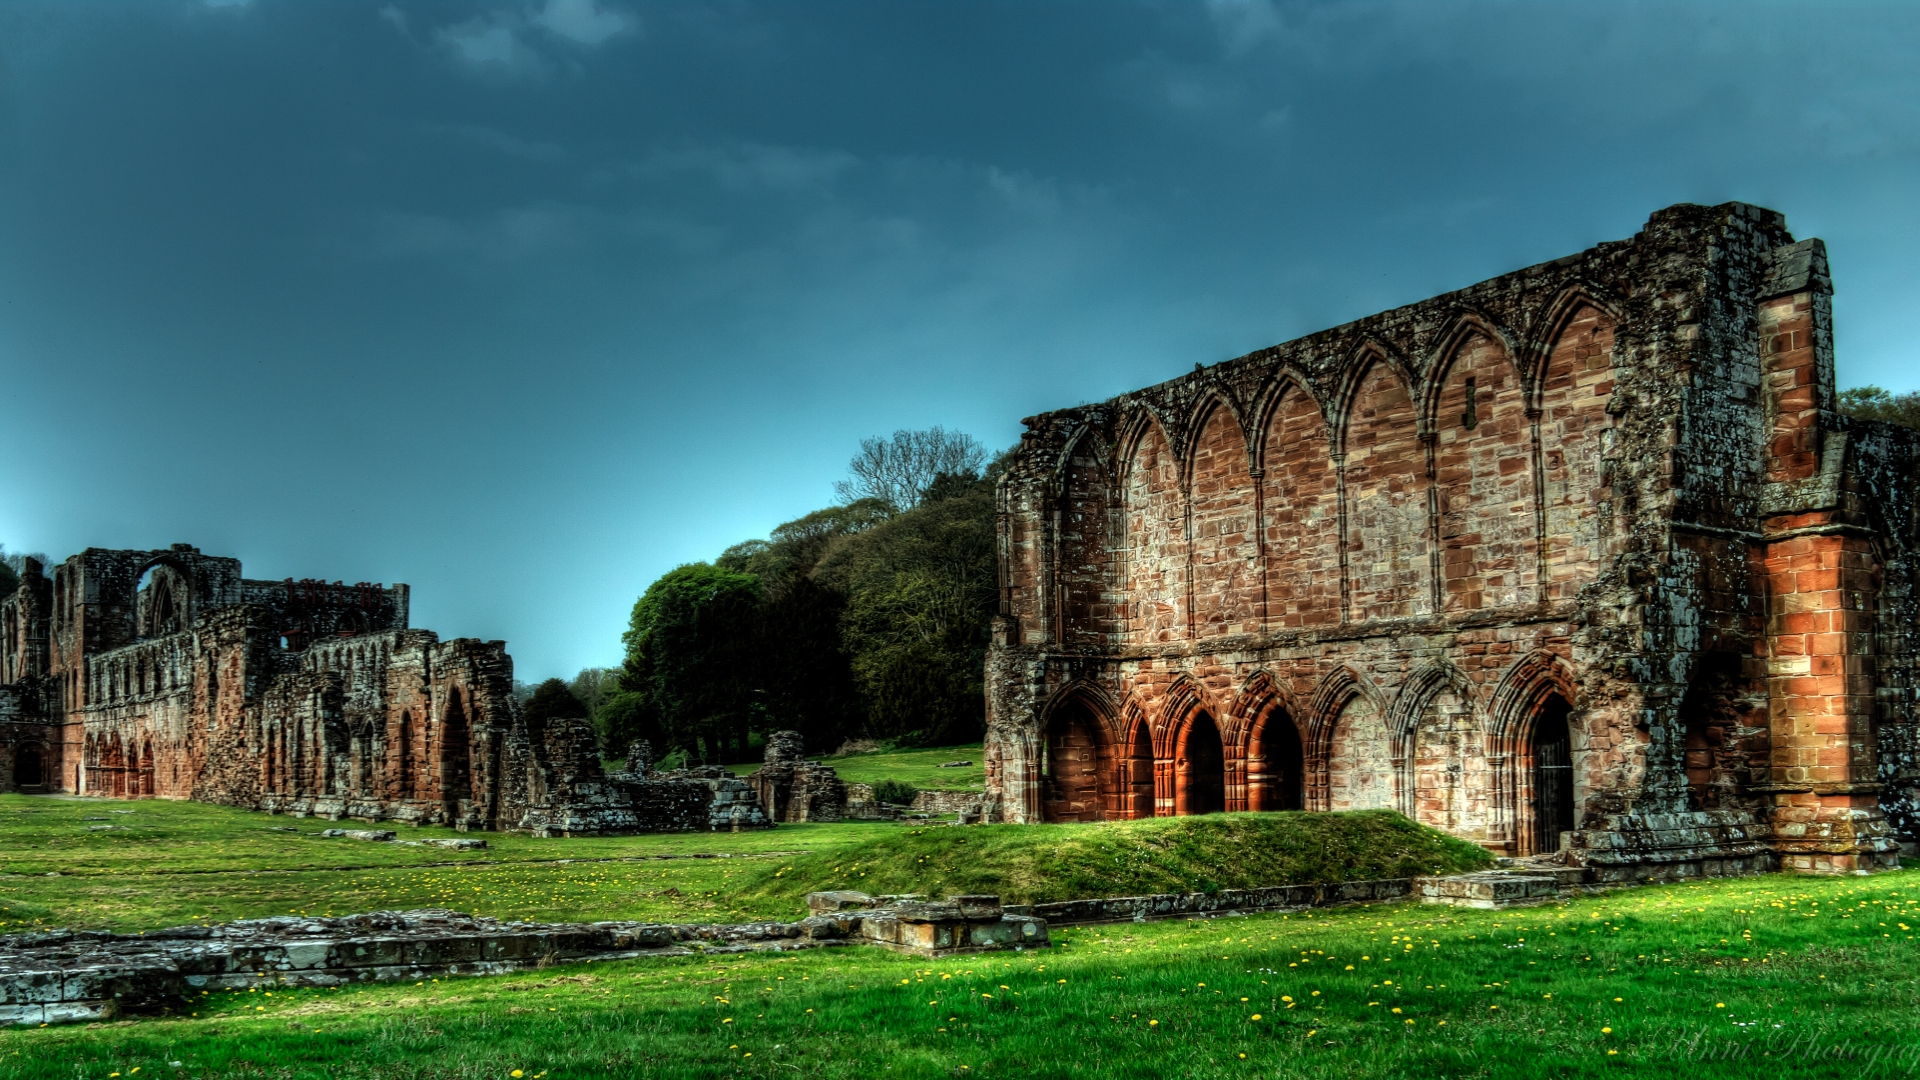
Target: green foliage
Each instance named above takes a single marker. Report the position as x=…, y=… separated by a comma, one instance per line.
x=551, y=700
x=1041, y=863
x=624, y=717
x=594, y=685
x=1873, y=403
x=921, y=594
x=691, y=657
x=867, y=620
x=1652, y=982
x=12, y=565
x=895, y=792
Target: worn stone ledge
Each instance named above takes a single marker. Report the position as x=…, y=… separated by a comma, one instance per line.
x=60, y=976
x=1226, y=901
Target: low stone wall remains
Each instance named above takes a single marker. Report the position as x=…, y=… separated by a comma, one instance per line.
x=948, y=802
x=62, y=976
x=1225, y=901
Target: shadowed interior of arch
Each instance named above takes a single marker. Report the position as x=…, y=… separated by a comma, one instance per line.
x=29, y=767
x=1200, y=769
x=1552, y=754
x=455, y=754
x=1276, y=774
x=1072, y=769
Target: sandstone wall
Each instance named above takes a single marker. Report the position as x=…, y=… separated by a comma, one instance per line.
x=1579, y=543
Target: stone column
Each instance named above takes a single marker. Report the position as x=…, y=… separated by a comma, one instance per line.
x=1822, y=591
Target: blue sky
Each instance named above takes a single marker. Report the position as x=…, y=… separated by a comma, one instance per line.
x=525, y=303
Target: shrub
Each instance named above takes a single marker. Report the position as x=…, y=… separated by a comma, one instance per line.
x=896, y=792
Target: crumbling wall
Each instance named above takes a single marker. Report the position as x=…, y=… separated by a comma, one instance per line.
x=1587, y=546
x=167, y=674
x=792, y=789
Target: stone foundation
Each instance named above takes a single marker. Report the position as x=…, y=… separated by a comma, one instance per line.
x=63, y=976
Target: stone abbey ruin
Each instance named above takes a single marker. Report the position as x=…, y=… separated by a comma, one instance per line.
x=166, y=673
x=1582, y=559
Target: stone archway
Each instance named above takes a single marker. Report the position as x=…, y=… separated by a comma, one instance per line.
x=1276, y=765
x=1140, y=772
x=1550, y=751
x=456, y=756
x=1200, y=768
x=29, y=768
x=1076, y=752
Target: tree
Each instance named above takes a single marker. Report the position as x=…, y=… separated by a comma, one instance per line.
x=1872, y=403
x=593, y=686
x=921, y=593
x=898, y=470
x=691, y=658
x=551, y=700
x=12, y=565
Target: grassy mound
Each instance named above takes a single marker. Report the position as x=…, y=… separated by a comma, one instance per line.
x=1041, y=863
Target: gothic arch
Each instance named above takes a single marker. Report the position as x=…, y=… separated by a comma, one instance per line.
x=1269, y=748
x=1530, y=679
x=1140, y=419
x=1097, y=700
x=1199, y=417
x=1427, y=681
x=1352, y=377
x=1539, y=685
x=1460, y=328
x=1088, y=435
x=1080, y=778
x=1347, y=751
x=1547, y=328
x=1287, y=379
x=1183, y=699
x=173, y=588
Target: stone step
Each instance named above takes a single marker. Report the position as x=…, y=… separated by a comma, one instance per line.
x=1492, y=889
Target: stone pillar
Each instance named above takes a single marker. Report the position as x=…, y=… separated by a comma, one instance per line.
x=1822, y=592
x=1820, y=678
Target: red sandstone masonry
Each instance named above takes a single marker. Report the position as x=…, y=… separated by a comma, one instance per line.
x=1372, y=584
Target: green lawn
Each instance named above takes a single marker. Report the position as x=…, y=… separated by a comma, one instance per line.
x=1039, y=863
x=1771, y=977
x=168, y=863
x=921, y=768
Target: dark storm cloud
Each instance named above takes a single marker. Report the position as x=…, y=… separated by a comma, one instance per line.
x=523, y=303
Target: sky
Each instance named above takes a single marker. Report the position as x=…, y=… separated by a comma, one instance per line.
x=526, y=303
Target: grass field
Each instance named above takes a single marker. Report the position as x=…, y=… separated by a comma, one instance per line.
x=1028, y=864
x=142, y=865
x=921, y=768
x=168, y=863
x=1764, y=977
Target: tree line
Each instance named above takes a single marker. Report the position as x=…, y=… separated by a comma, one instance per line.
x=866, y=619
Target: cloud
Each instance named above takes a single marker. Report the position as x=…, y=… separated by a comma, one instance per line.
x=532, y=231
x=510, y=145
x=489, y=43
x=1242, y=24
x=226, y=3
x=753, y=166
x=580, y=20
x=395, y=16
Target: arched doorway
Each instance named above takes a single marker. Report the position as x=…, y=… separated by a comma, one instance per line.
x=1552, y=758
x=1276, y=767
x=1140, y=771
x=403, y=758
x=1200, y=773
x=29, y=768
x=456, y=756
x=1071, y=779
x=162, y=602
